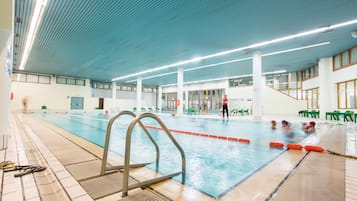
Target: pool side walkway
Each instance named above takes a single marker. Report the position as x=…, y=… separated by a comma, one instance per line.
x=73, y=167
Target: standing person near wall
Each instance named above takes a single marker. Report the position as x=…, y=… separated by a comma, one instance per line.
x=25, y=104
x=225, y=105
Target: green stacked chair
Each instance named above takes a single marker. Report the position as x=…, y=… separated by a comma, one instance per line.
x=348, y=116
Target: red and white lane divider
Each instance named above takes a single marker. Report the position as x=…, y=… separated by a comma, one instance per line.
x=297, y=146
x=204, y=135
x=244, y=140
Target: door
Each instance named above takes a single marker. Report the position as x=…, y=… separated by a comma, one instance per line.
x=101, y=103
x=77, y=103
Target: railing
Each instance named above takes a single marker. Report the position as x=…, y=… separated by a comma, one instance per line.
x=104, y=168
x=131, y=126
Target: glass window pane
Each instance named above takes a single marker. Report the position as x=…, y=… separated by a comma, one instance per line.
x=341, y=95
x=315, y=70
x=276, y=82
x=80, y=82
x=345, y=61
x=293, y=83
x=309, y=99
x=19, y=77
x=32, y=78
x=284, y=81
x=314, y=99
x=354, y=55
x=60, y=80
x=71, y=81
x=336, y=62
x=293, y=93
x=350, y=95
x=44, y=79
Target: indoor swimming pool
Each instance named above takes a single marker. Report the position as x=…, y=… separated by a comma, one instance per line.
x=214, y=166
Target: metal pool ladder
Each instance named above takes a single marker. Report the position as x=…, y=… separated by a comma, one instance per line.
x=104, y=168
x=126, y=165
x=131, y=126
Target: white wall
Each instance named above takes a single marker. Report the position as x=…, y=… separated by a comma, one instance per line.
x=275, y=102
x=58, y=97
x=345, y=74
x=310, y=83
x=54, y=96
x=5, y=84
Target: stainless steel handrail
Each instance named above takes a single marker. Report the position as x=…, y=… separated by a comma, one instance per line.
x=131, y=126
x=107, y=138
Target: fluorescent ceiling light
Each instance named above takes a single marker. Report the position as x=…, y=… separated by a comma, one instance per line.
x=238, y=60
x=277, y=40
x=224, y=78
x=295, y=49
x=35, y=22
x=149, y=77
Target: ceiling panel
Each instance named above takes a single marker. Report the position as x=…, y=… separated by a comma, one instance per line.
x=104, y=39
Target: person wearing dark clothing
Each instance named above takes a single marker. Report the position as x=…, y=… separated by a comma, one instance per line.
x=225, y=105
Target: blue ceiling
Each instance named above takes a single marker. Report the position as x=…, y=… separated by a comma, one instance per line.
x=104, y=39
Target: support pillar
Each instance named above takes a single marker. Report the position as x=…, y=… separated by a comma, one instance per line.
x=180, y=91
x=257, y=85
x=5, y=83
x=139, y=89
x=114, y=95
x=186, y=99
x=159, y=100
x=325, y=86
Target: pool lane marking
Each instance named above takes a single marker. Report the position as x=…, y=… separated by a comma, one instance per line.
x=271, y=144
x=202, y=134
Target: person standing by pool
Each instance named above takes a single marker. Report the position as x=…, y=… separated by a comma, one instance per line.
x=25, y=104
x=225, y=105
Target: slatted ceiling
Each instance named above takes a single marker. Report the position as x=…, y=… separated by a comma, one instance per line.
x=23, y=10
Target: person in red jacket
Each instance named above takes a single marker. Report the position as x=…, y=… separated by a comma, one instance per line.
x=225, y=105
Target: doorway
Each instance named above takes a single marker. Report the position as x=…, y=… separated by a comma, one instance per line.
x=77, y=103
x=101, y=103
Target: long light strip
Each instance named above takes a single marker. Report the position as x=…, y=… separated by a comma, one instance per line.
x=35, y=22
x=296, y=49
x=277, y=40
x=224, y=78
x=237, y=60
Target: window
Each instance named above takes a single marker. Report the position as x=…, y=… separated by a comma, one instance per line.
x=70, y=81
x=31, y=78
x=287, y=83
x=347, y=94
x=312, y=97
x=341, y=95
x=345, y=58
x=336, y=62
x=353, y=54
x=241, y=82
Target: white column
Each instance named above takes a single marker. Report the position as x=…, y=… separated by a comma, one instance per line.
x=180, y=90
x=159, y=99
x=114, y=95
x=5, y=83
x=186, y=98
x=139, y=89
x=325, y=86
x=257, y=85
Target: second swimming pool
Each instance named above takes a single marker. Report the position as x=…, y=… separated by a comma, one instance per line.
x=213, y=166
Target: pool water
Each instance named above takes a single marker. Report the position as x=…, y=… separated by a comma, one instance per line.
x=213, y=166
